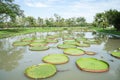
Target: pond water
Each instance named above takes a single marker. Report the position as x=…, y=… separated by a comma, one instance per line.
x=15, y=59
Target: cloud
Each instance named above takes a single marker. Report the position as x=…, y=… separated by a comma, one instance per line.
x=36, y=4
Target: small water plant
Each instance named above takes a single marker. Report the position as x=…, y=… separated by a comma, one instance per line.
x=20, y=43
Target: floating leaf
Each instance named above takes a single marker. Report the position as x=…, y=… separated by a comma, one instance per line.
x=74, y=51
x=64, y=46
x=19, y=43
x=116, y=54
x=40, y=71
x=90, y=52
x=92, y=65
x=56, y=59
x=39, y=48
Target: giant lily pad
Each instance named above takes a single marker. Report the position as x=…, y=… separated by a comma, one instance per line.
x=39, y=48
x=56, y=59
x=92, y=65
x=72, y=42
x=90, y=52
x=51, y=41
x=39, y=40
x=83, y=45
x=40, y=71
x=19, y=43
x=36, y=44
x=27, y=39
x=116, y=54
x=74, y=51
x=64, y=46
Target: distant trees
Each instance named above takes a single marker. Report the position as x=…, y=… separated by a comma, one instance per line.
x=107, y=18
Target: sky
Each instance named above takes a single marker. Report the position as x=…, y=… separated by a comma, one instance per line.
x=67, y=8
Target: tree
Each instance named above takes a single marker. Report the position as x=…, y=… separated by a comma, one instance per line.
x=30, y=21
x=80, y=21
x=113, y=17
x=9, y=11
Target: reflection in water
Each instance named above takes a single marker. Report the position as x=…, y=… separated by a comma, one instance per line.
x=9, y=56
x=112, y=44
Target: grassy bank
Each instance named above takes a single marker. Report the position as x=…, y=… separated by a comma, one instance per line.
x=106, y=30
x=4, y=33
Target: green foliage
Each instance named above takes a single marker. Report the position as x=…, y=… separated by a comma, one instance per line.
x=92, y=65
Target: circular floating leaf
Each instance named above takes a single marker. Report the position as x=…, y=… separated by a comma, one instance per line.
x=64, y=46
x=36, y=44
x=72, y=42
x=39, y=48
x=74, y=51
x=40, y=71
x=27, y=39
x=56, y=59
x=92, y=65
x=83, y=45
x=116, y=54
x=81, y=39
x=19, y=43
x=90, y=52
x=39, y=40
x=51, y=41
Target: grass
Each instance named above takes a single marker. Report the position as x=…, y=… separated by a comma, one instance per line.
x=4, y=33
x=106, y=30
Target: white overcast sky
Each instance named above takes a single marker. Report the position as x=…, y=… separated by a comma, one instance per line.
x=67, y=8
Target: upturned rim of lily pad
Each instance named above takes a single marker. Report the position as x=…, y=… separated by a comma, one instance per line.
x=92, y=65
x=116, y=54
x=62, y=46
x=74, y=51
x=83, y=45
x=56, y=59
x=20, y=43
x=39, y=48
x=27, y=39
x=90, y=52
x=40, y=71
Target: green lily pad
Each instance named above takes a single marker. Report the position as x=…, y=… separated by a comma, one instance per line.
x=56, y=59
x=92, y=65
x=74, y=51
x=64, y=46
x=27, y=39
x=36, y=44
x=116, y=54
x=39, y=40
x=51, y=41
x=40, y=71
x=39, y=48
x=81, y=39
x=83, y=45
x=72, y=42
x=90, y=52
x=19, y=43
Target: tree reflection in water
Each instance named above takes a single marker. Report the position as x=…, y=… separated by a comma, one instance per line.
x=9, y=57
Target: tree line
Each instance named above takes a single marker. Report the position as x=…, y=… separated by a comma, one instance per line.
x=12, y=16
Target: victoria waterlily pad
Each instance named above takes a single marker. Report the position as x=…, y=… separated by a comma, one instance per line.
x=40, y=71
x=39, y=48
x=64, y=46
x=51, y=41
x=92, y=65
x=116, y=54
x=35, y=44
x=39, y=40
x=90, y=52
x=56, y=59
x=83, y=45
x=27, y=39
x=19, y=43
x=74, y=51
x=72, y=42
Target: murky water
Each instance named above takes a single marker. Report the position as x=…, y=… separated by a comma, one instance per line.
x=14, y=60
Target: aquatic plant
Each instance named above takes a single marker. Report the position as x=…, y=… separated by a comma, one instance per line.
x=92, y=65
x=40, y=71
x=56, y=59
x=74, y=51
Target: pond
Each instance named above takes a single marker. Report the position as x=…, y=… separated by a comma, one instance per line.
x=15, y=59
